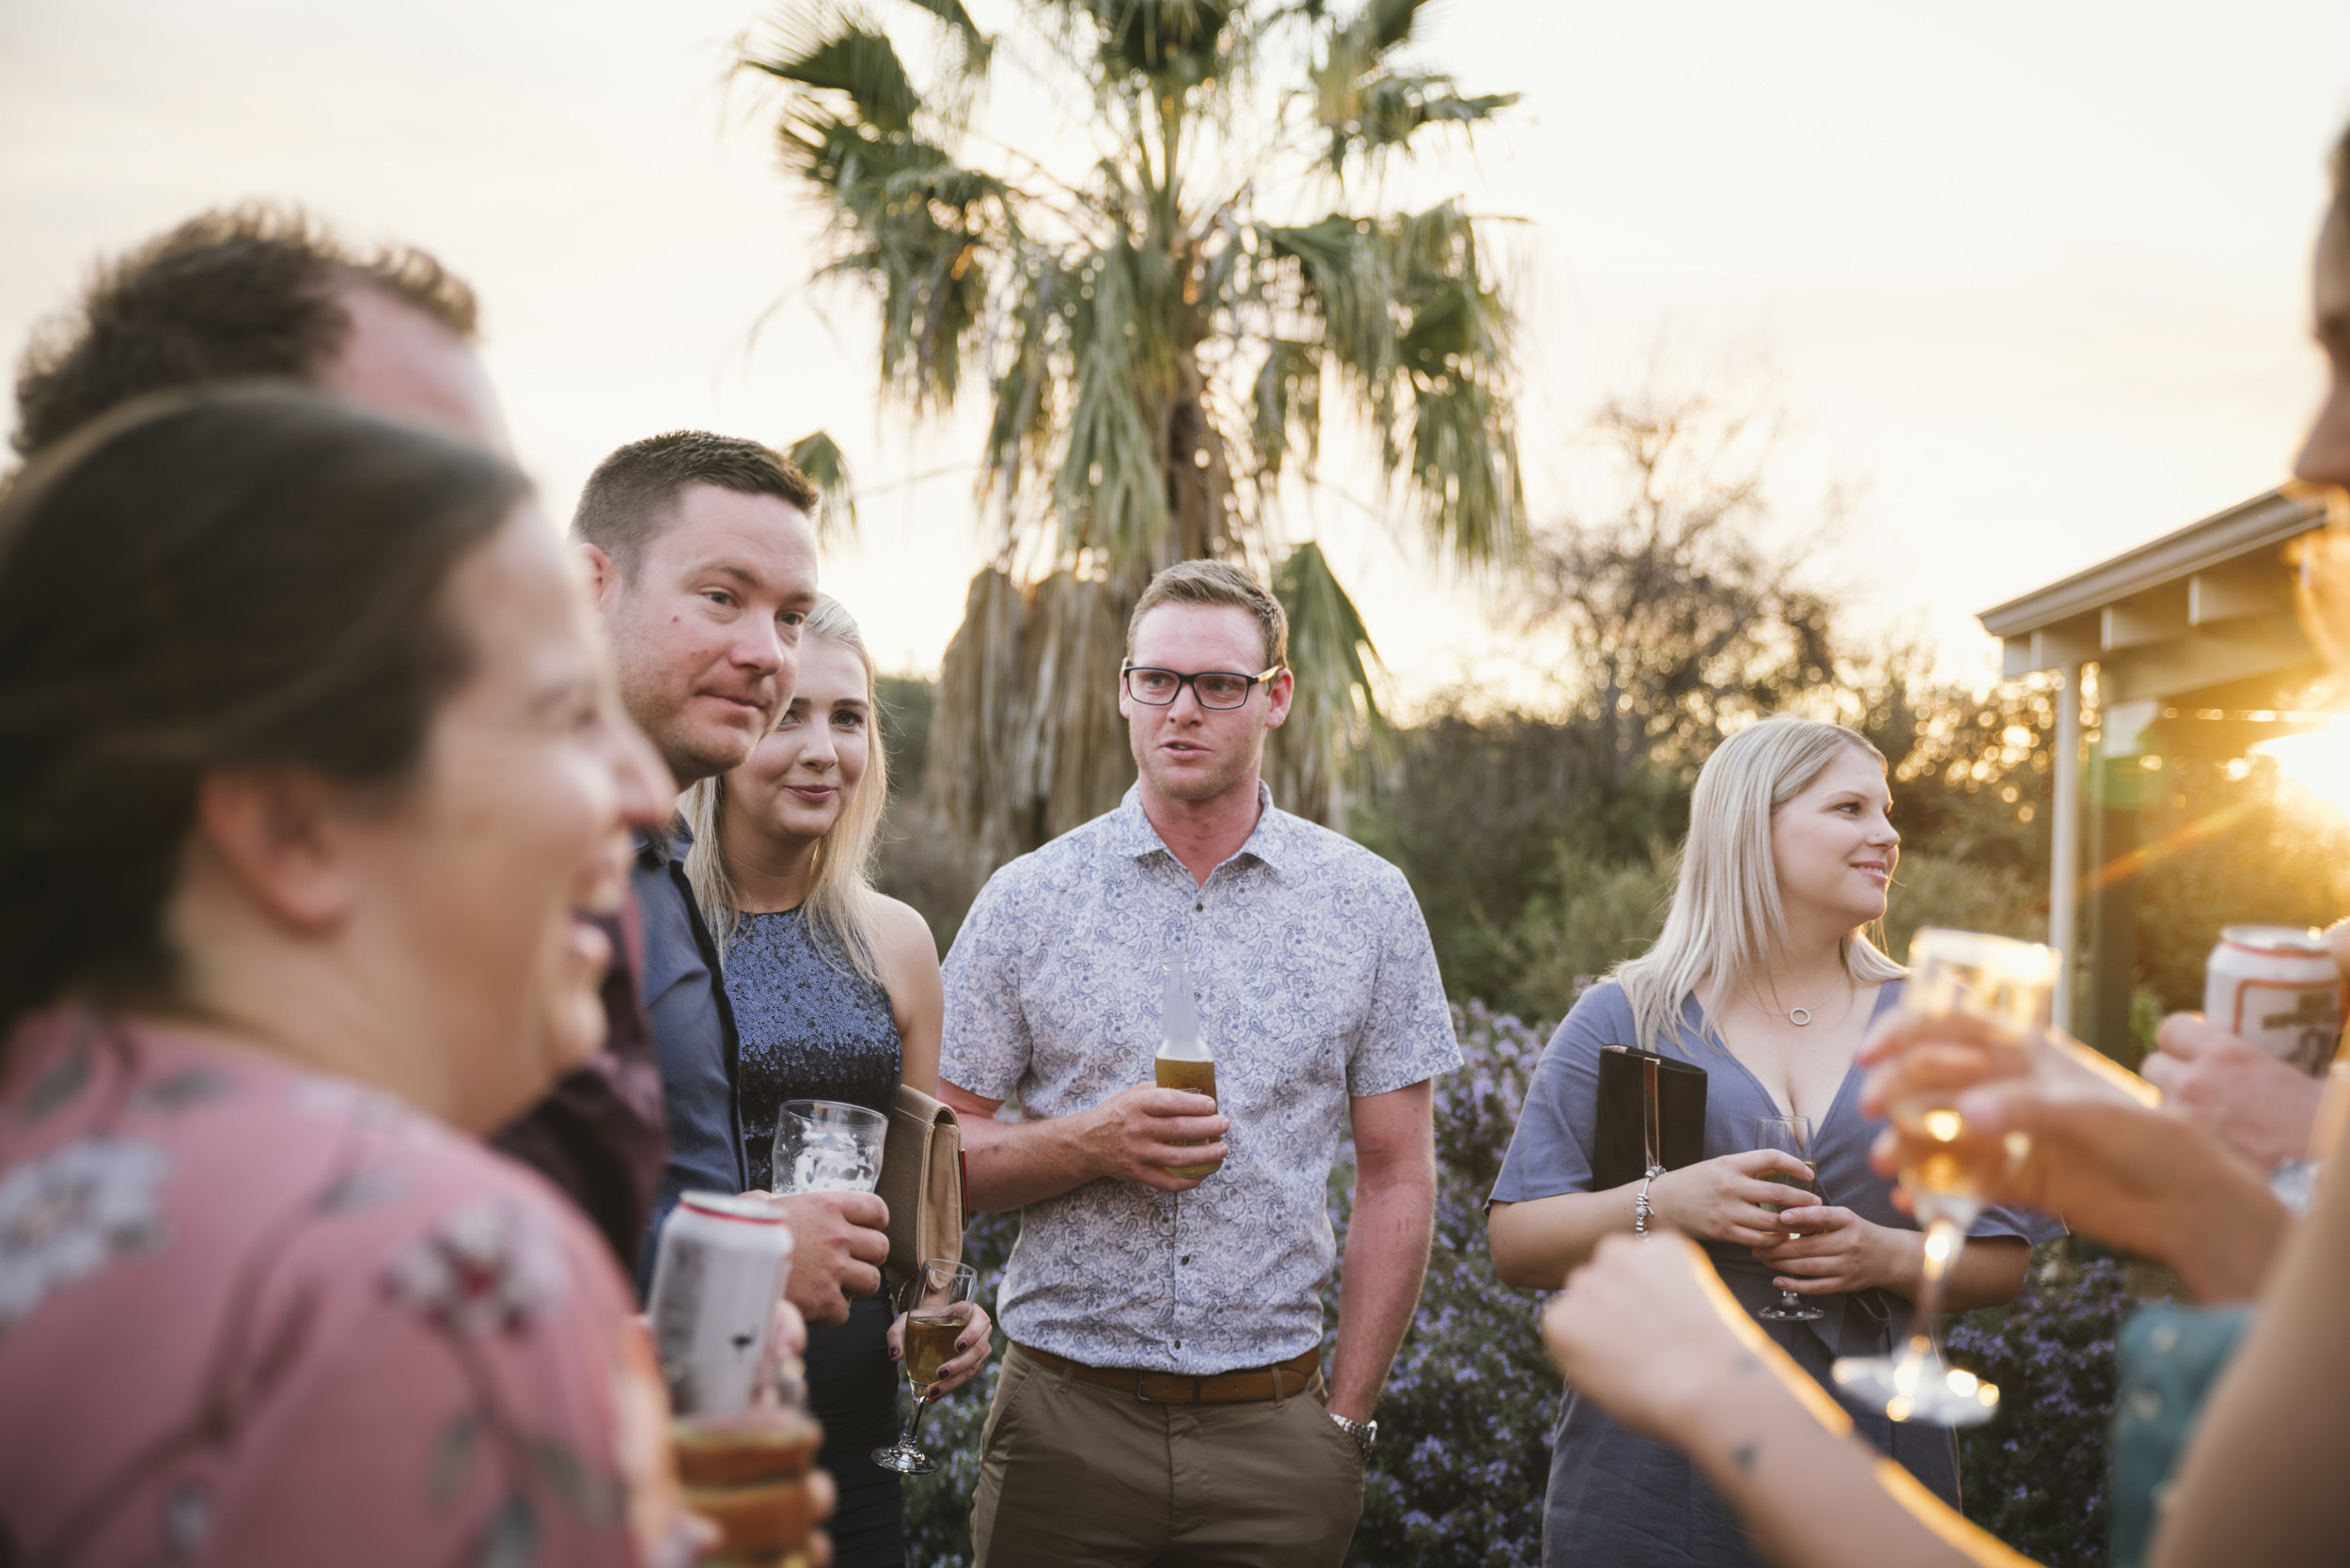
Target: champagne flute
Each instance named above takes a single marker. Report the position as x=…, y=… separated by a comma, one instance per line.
x=1947, y=1167
x=1791, y=1135
x=938, y=1305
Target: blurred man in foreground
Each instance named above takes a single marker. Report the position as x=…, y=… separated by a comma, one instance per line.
x=255, y=291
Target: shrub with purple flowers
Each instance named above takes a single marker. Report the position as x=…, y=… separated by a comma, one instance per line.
x=2035, y=1477
x=1465, y=1423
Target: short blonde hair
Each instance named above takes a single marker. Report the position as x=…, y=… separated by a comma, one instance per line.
x=1216, y=583
x=1725, y=906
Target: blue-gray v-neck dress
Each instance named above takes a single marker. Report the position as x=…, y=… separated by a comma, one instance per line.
x=1616, y=1500
x=811, y=1029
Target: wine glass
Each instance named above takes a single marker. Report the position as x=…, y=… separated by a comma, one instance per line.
x=1791, y=1135
x=937, y=1303
x=1945, y=1166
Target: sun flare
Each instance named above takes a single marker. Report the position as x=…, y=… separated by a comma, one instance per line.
x=2318, y=762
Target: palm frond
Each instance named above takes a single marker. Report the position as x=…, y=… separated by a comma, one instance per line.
x=976, y=47
x=1112, y=489
x=922, y=226
x=1389, y=23
x=1162, y=39
x=861, y=65
x=1286, y=398
x=1423, y=339
x=1333, y=709
x=818, y=456
x=1366, y=108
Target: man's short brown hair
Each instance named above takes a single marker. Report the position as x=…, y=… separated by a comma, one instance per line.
x=235, y=292
x=631, y=499
x=1216, y=583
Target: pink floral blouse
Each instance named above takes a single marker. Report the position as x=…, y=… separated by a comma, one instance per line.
x=253, y=1316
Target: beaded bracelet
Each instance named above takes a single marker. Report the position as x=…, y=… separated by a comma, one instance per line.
x=1641, y=1208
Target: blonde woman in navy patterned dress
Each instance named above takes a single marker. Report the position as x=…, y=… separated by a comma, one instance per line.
x=837, y=997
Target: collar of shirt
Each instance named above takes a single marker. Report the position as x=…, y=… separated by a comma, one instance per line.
x=1132, y=833
x=656, y=850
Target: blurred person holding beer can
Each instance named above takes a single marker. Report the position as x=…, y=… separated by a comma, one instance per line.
x=2261, y=1096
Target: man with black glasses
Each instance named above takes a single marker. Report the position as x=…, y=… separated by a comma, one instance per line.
x=1164, y=1400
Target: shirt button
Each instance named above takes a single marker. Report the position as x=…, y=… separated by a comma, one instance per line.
x=1185, y=1258
x=1179, y=1344
x=1197, y=908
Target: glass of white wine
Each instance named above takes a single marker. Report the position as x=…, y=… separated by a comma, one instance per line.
x=938, y=1305
x=2005, y=987
x=1790, y=1135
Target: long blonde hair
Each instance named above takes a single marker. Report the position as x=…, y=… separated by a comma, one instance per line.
x=841, y=907
x=1725, y=906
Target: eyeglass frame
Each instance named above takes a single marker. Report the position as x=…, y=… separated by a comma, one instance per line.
x=1263, y=678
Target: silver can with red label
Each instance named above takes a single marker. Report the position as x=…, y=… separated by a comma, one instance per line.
x=2277, y=987
x=722, y=1263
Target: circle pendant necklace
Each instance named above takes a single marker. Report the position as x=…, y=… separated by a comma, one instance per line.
x=1799, y=1016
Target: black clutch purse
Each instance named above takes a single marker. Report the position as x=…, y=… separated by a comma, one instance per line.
x=1651, y=1116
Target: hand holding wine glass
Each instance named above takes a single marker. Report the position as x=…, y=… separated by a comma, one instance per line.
x=1985, y=1003
x=968, y=1354
x=1732, y=1198
x=938, y=1303
x=1790, y=1135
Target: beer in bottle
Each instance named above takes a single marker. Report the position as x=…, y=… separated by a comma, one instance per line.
x=1183, y=1060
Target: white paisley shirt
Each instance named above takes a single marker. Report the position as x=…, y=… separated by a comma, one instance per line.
x=1316, y=982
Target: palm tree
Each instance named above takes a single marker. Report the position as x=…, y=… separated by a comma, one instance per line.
x=1161, y=318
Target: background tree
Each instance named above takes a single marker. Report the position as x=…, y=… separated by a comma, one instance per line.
x=1686, y=601
x=1159, y=321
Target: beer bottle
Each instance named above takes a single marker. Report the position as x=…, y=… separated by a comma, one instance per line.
x=1184, y=1060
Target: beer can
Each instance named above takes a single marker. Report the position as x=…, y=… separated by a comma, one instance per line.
x=2277, y=987
x=721, y=1264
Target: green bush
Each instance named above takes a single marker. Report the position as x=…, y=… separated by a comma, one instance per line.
x=1963, y=895
x=1600, y=915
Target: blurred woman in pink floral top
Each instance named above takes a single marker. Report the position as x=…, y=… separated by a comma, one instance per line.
x=307, y=787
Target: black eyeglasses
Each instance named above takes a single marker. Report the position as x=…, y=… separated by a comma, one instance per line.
x=1214, y=688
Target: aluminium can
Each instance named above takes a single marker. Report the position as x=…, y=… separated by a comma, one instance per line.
x=722, y=1262
x=2277, y=987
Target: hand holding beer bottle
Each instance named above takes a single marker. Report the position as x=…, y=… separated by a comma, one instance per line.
x=1184, y=1060
x=1166, y=1134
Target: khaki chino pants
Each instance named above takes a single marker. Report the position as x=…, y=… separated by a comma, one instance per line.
x=1072, y=1473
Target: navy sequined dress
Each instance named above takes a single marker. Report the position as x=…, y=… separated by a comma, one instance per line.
x=812, y=1029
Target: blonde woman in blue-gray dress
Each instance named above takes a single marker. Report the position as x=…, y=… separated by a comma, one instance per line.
x=1765, y=976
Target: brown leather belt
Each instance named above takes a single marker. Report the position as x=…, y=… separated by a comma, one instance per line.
x=1279, y=1381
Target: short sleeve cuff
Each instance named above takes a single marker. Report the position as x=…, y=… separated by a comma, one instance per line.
x=1385, y=1078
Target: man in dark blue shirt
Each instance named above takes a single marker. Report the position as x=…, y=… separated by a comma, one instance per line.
x=704, y=563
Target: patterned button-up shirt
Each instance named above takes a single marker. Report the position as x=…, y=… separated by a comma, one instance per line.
x=1316, y=983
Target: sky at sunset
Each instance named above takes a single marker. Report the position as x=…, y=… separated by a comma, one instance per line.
x=2031, y=275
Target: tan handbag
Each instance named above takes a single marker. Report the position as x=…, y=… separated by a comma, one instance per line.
x=921, y=1181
